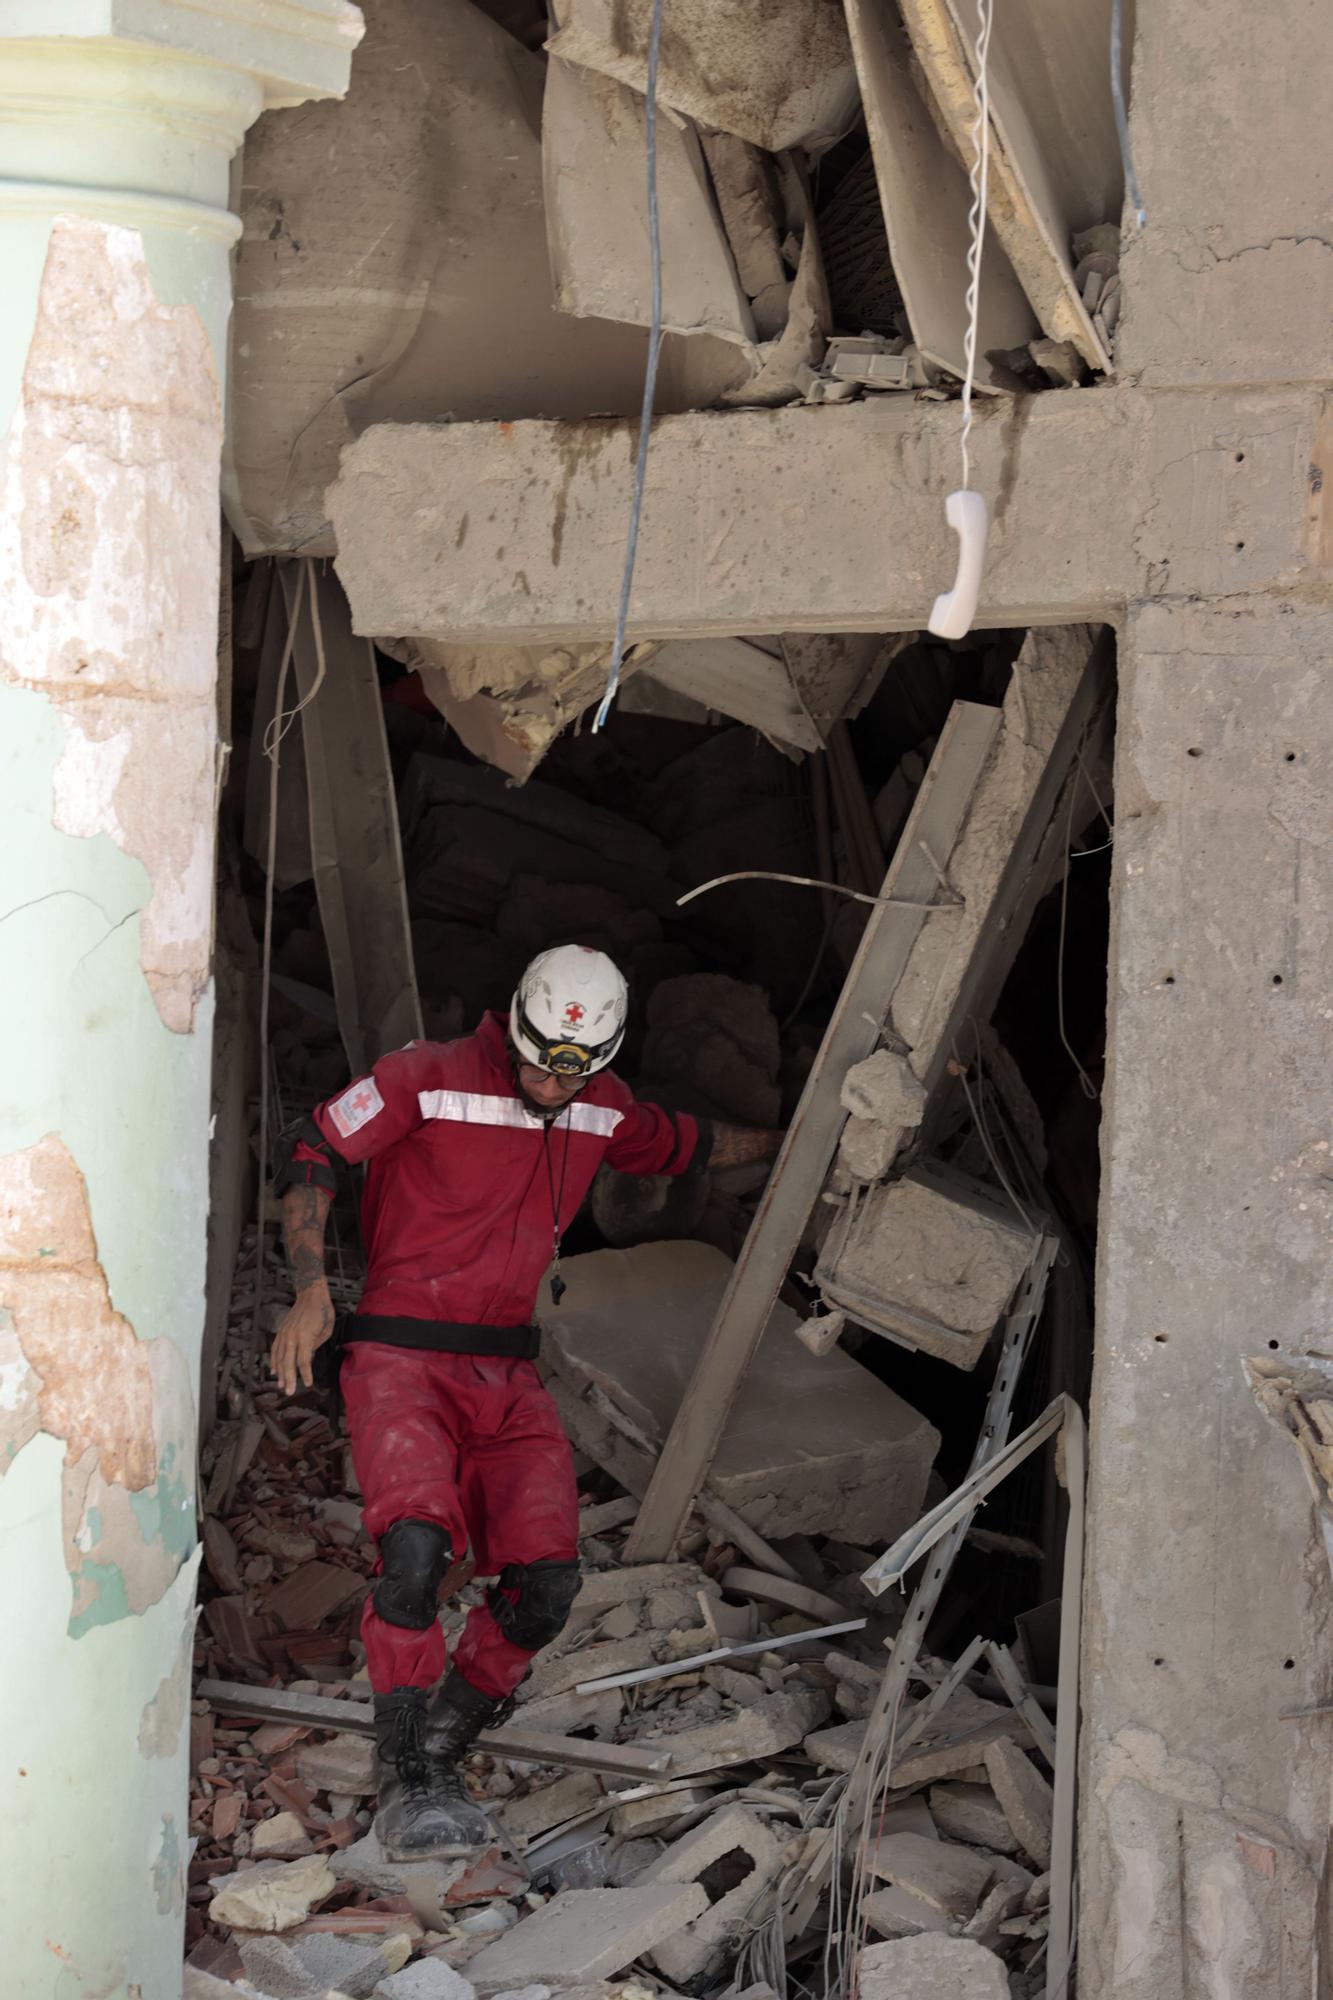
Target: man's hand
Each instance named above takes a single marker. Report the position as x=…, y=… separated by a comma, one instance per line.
x=306, y=1327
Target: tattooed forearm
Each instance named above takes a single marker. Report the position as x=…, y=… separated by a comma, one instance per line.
x=737, y=1146
x=303, y=1214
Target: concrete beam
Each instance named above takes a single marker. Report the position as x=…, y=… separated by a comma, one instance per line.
x=828, y=519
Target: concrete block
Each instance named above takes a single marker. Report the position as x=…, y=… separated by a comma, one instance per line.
x=272, y=1896
x=282, y=1838
x=587, y=1934
x=1025, y=1796
x=837, y=1749
x=884, y=1089
x=771, y=1725
x=930, y=1968
x=972, y=1813
x=951, y=1879
x=344, y=1764
x=957, y=1740
x=559, y=1675
x=931, y=1261
x=537, y=1812
x=644, y=1816
x=292, y=1968
x=426, y=1979
x=898, y=1913
x=604, y=1587
x=696, y=1947
x=812, y=1443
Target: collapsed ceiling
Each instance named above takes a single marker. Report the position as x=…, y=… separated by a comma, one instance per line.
x=465, y=238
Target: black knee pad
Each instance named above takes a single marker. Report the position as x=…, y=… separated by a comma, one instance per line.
x=546, y=1593
x=415, y=1555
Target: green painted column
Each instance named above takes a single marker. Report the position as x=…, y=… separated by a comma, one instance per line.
x=118, y=122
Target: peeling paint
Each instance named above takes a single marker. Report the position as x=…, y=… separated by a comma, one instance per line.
x=75, y=1368
x=108, y=520
x=164, y=1716
x=168, y=1870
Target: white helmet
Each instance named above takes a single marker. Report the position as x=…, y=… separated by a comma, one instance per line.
x=568, y=1012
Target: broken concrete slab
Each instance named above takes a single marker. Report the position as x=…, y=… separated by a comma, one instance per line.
x=1025, y=1796
x=926, y=200
x=837, y=1749
x=811, y=1443
x=373, y=284
x=762, y=1730
x=778, y=79
x=930, y=1261
x=281, y=1838
x=1054, y=166
x=291, y=1969
x=972, y=1813
x=957, y=1739
x=698, y=1945
x=553, y=1676
x=898, y=1913
x=595, y=185
x=735, y=677
x=272, y=1896
x=525, y=1816
x=345, y=1763
x=951, y=1879
x=635, y=1581
x=640, y=1817
x=426, y=1979
x=586, y=1934
x=931, y=1968
x=884, y=1089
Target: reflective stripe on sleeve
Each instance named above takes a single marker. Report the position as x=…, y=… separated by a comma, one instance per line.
x=468, y=1107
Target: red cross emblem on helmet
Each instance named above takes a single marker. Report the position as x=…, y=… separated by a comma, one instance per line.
x=574, y=1014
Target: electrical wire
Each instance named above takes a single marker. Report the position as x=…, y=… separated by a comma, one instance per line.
x=979, y=178
x=814, y=882
x=1122, y=115
x=650, y=374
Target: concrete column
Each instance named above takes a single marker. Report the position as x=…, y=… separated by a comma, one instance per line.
x=1205, y=1816
x=118, y=120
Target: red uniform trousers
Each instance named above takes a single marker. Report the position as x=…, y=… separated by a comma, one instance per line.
x=472, y=1443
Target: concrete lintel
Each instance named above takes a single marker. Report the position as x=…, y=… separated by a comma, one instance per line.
x=805, y=519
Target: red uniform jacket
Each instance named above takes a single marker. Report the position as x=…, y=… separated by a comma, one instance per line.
x=464, y=1181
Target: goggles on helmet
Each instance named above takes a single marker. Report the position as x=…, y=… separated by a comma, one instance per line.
x=563, y=1058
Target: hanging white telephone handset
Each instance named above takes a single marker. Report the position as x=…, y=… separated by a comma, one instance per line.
x=952, y=613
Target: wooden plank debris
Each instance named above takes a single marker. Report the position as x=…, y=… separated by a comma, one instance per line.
x=852, y=1033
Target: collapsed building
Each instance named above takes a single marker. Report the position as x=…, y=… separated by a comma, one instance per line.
x=882, y=1678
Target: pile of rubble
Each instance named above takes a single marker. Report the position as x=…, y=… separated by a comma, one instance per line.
x=671, y=1798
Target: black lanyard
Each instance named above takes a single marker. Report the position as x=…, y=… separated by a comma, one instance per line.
x=558, y=1285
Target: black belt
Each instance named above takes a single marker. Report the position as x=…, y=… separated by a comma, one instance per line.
x=441, y=1336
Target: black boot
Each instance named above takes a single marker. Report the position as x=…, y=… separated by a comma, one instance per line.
x=419, y=1818
x=457, y=1717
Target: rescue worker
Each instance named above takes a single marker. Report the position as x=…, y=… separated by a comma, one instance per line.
x=479, y=1153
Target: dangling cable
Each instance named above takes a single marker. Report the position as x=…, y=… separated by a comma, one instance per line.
x=966, y=512
x=650, y=374
x=980, y=181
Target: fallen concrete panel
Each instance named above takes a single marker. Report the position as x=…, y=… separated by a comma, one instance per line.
x=738, y=535
x=742, y=680
x=586, y=1934
x=695, y=1948
x=1054, y=159
x=811, y=1445
x=394, y=266
x=594, y=173
x=778, y=77
x=927, y=200
x=931, y=1968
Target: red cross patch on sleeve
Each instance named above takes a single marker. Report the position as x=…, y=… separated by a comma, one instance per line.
x=356, y=1107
